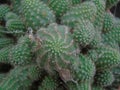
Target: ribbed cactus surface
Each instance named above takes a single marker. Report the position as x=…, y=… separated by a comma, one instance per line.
x=59, y=45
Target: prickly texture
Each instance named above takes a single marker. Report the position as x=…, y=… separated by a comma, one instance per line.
x=74, y=2
x=96, y=42
x=99, y=18
x=16, y=5
x=108, y=58
x=15, y=26
x=36, y=14
x=108, y=22
x=21, y=53
x=116, y=73
x=79, y=86
x=104, y=78
x=57, y=46
x=83, y=69
x=113, y=34
x=111, y=3
x=2, y=77
x=59, y=6
x=4, y=42
x=85, y=86
x=48, y=84
x=3, y=10
x=84, y=32
x=4, y=55
x=11, y=15
x=85, y=10
x=20, y=77
x=97, y=88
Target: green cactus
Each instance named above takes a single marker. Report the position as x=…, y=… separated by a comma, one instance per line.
x=15, y=26
x=107, y=59
x=97, y=88
x=4, y=55
x=99, y=18
x=16, y=5
x=74, y=2
x=59, y=6
x=80, y=86
x=3, y=10
x=84, y=32
x=5, y=42
x=83, y=69
x=57, y=46
x=97, y=40
x=72, y=86
x=111, y=3
x=11, y=15
x=85, y=85
x=36, y=13
x=104, y=78
x=86, y=10
x=2, y=77
x=21, y=54
x=116, y=73
x=48, y=84
x=20, y=77
x=108, y=22
x=113, y=34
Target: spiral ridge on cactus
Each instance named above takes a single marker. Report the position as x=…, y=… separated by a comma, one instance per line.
x=57, y=45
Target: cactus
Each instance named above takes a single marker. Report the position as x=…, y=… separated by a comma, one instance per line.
x=110, y=3
x=84, y=32
x=21, y=53
x=48, y=84
x=3, y=10
x=36, y=13
x=85, y=86
x=108, y=22
x=57, y=45
x=74, y=2
x=20, y=77
x=59, y=6
x=86, y=10
x=96, y=42
x=4, y=55
x=16, y=6
x=11, y=15
x=97, y=88
x=84, y=69
x=80, y=86
x=116, y=73
x=99, y=18
x=5, y=42
x=113, y=34
x=2, y=77
x=15, y=26
x=107, y=59
x=104, y=78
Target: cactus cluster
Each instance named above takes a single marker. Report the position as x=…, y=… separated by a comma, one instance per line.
x=59, y=45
